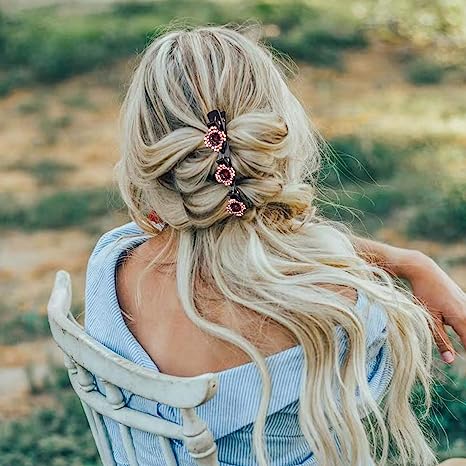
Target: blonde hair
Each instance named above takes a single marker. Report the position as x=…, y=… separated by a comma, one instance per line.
x=275, y=259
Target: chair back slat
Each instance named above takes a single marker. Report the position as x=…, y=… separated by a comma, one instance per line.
x=167, y=451
x=85, y=379
x=107, y=458
x=198, y=439
x=92, y=425
x=116, y=399
x=128, y=445
x=127, y=416
x=88, y=362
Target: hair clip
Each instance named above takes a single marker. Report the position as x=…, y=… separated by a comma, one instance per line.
x=156, y=221
x=216, y=139
x=235, y=205
x=216, y=136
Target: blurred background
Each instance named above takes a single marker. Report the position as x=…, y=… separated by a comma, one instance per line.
x=385, y=84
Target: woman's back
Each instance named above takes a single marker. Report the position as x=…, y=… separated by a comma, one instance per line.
x=169, y=336
x=231, y=413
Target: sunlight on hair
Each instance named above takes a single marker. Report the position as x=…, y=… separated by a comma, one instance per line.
x=281, y=260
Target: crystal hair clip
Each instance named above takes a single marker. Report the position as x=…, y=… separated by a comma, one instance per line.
x=216, y=139
x=156, y=221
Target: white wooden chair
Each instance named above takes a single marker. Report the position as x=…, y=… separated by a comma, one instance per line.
x=85, y=359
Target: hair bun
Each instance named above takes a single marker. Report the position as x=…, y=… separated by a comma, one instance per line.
x=263, y=131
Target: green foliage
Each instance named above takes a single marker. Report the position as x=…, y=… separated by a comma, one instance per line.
x=52, y=48
x=44, y=45
x=363, y=206
x=377, y=200
x=129, y=8
x=353, y=158
x=45, y=171
x=56, y=436
x=370, y=179
x=308, y=33
x=59, y=210
x=422, y=71
x=447, y=419
x=35, y=105
x=442, y=215
x=39, y=47
x=286, y=15
x=50, y=127
x=26, y=326
x=321, y=46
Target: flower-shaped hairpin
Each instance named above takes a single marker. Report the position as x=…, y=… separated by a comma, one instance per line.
x=216, y=139
x=235, y=205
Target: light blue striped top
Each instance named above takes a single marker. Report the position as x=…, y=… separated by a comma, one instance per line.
x=231, y=413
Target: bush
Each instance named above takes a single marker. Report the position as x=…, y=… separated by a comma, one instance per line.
x=27, y=326
x=447, y=418
x=45, y=171
x=39, y=47
x=422, y=71
x=60, y=210
x=53, y=48
x=364, y=207
x=353, y=159
x=58, y=436
x=442, y=216
x=321, y=45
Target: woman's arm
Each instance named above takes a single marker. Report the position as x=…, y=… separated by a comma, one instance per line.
x=443, y=298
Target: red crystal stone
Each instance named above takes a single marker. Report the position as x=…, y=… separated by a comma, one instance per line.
x=224, y=174
x=215, y=138
x=235, y=206
x=153, y=217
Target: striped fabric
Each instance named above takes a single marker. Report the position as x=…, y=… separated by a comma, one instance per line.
x=231, y=413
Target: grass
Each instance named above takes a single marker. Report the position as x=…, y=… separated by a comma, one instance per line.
x=46, y=171
x=56, y=436
x=59, y=210
x=447, y=419
x=79, y=100
x=51, y=127
x=443, y=215
x=364, y=206
x=28, y=326
x=422, y=71
x=355, y=158
x=34, y=105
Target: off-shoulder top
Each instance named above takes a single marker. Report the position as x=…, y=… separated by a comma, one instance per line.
x=231, y=412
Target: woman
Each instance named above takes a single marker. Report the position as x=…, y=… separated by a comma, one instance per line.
x=228, y=268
